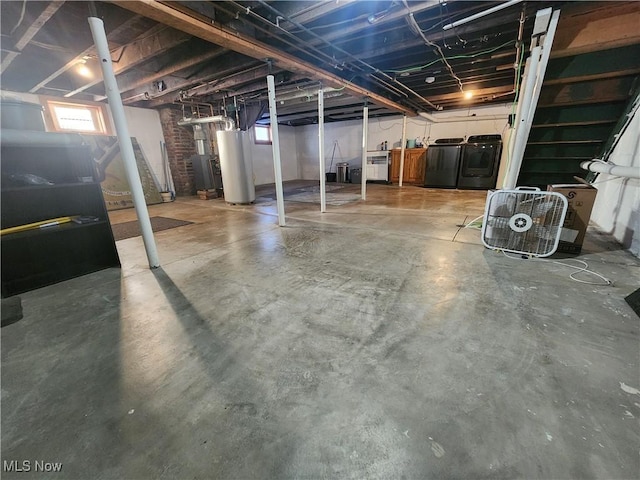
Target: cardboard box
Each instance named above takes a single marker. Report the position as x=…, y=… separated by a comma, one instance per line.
x=581, y=198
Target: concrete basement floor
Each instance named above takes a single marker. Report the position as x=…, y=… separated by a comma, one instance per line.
x=378, y=340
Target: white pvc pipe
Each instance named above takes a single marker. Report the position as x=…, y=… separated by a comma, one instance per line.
x=365, y=135
x=124, y=139
x=403, y=144
x=475, y=118
x=275, y=146
x=323, y=186
x=610, y=169
x=484, y=13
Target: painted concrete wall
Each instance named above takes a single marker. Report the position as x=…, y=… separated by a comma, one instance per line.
x=347, y=136
x=262, y=156
x=144, y=125
x=617, y=207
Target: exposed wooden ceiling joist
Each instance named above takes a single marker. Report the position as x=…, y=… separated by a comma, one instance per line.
x=598, y=26
x=137, y=79
x=250, y=47
x=29, y=33
x=151, y=44
x=310, y=11
x=88, y=51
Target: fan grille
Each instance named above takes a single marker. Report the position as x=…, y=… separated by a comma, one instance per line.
x=521, y=221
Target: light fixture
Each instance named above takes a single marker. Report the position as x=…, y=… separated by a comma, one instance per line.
x=83, y=70
x=468, y=95
x=430, y=79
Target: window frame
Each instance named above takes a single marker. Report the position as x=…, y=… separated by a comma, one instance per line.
x=262, y=142
x=98, y=115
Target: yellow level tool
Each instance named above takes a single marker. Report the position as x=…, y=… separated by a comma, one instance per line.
x=33, y=226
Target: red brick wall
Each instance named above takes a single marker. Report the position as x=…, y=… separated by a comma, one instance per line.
x=180, y=147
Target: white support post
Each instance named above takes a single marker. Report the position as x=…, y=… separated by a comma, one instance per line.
x=403, y=144
x=124, y=139
x=365, y=135
x=529, y=96
x=524, y=103
x=512, y=135
x=323, y=186
x=275, y=146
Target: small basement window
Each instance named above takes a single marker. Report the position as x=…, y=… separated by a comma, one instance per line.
x=263, y=135
x=76, y=117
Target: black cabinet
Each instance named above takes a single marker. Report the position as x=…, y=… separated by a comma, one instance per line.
x=47, y=176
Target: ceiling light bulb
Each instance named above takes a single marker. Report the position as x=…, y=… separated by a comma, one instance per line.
x=430, y=79
x=468, y=95
x=84, y=71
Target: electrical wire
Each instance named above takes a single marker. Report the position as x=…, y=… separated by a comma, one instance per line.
x=414, y=26
x=579, y=269
x=24, y=8
x=474, y=223
x=454, y=57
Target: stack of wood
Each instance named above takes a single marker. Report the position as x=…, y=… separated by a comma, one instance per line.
x=207, y=194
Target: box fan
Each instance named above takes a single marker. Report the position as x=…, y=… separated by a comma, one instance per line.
x=524, y=220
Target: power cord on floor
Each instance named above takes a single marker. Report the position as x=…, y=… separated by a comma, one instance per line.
x=583, y=269
x=474, y=223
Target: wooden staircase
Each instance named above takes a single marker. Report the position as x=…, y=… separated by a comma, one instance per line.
x=592, y=76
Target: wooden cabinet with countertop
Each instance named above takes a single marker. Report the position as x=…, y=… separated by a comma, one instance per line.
x=415, y=161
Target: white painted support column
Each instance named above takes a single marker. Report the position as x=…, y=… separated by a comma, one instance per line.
x=403, y=144
x=365, y=135
x=512, y=134
x=275, y=146
x=522, y=133
x=124, y=139
x=323, y=185
x=531, y=93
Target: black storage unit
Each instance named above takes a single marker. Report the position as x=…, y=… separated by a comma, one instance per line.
x=46, y=176
x=480, y=162
x=443, y=163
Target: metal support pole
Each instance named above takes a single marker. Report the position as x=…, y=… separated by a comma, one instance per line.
x=124, y=139
x=323, y=186
x=275, y=145
x=365, y=134
x=403, y=144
